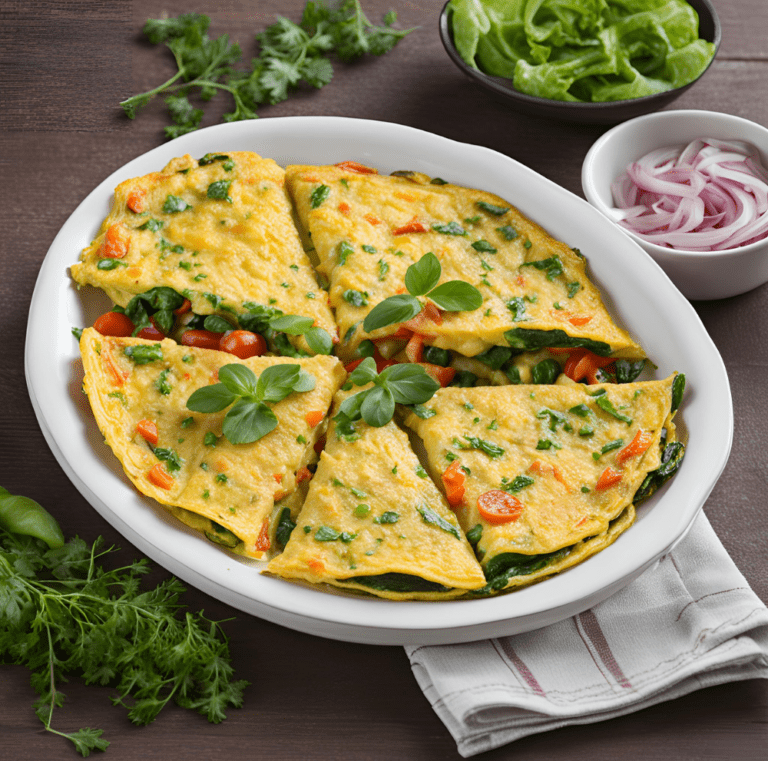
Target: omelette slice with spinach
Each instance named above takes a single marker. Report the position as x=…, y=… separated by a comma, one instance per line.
x=139, y=391
x=367, y=229
x=541, y=477
x=373, y=521
x=218, y=232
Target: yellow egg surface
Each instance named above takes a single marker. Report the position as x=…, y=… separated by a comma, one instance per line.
x=367, y=229
x=545, y=467
x=188, y=464
x=374, y=521
x=217, y=230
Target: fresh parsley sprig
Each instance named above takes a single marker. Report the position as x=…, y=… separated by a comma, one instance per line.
x=398, y=384
x=421, y=279
x=289, y=54
x=250, y=418
x=63, y=613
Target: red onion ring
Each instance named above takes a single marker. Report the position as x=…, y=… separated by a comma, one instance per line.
x=709, y=195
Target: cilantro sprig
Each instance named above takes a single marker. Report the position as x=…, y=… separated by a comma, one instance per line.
x=398, y=384
x=289, y=54
x=421, y=279
x=249, y=419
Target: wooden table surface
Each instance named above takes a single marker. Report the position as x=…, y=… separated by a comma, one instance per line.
x=65, y=67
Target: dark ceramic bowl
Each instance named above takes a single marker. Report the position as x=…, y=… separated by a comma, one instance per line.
x=610, y=112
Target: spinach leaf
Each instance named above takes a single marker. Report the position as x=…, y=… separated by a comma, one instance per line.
x=627, y=371
x=532, y=340
x=428, y=515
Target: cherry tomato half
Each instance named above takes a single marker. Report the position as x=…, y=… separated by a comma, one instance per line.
x=202, y=339
x=114, y=324
x=151, y=332
x=243, y=343
x=498, y=507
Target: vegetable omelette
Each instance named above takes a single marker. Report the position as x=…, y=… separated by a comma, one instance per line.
x=138, y=390
x=374, y=521
x=537, y=437
x=218, y=231
x=368, y=228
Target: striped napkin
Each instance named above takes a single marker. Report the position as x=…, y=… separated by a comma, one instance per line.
x=690, y=622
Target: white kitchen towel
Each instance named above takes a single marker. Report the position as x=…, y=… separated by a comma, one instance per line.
x=690, y=622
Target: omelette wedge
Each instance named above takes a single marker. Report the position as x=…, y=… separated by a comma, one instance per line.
x=373, y=521
x=367, y=229
x=542, y=477
x=138, y=392
x=217, y=231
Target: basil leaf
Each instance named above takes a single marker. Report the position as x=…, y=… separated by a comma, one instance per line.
x=319, y=194
x=531, y=340
x=364, y=373
x=238, y=379
x=291, y=323
x=409, y=383
x=248, y=421
x=392, y=310
x=305, y=382
x=424, y=275
x=456, y=296
x=143, y=354
x=212, y=398
x=429, y=516
x=350, y=407
x=378, y=406
x=277, y=382
x=319, y=340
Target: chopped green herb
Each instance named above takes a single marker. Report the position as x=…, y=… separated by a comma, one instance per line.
x=449, y=228
x=420, y=472
x=508, y=232
x=497, y=211
x=484, y=246
x=368, y=249
x=318, y=195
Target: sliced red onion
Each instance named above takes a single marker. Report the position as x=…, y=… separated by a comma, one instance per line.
x=708, y=195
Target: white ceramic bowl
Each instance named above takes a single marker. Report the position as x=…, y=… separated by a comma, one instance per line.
x=699, y=275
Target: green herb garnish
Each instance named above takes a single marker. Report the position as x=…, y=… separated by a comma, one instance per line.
x=250, y=418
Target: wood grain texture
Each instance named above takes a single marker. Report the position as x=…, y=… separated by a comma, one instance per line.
x=66, y=65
